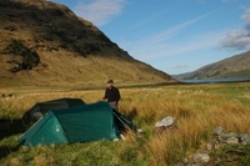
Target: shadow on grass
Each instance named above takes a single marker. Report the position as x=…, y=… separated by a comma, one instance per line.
x=9, y=128
x=6, y=150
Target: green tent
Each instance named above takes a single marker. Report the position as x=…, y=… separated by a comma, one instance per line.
x=39, y=109
x=77, y=124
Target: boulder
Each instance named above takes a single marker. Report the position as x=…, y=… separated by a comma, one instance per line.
x=245, y=138
x=164, y=125
x=232, y=140
x=229, y=138
x=218, y=131
x=165, y=122
x=201, y=158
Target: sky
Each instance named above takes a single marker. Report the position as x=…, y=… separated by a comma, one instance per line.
x=175, y=36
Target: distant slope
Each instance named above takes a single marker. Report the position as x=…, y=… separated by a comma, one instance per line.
x=237, y=66
x=72, y=51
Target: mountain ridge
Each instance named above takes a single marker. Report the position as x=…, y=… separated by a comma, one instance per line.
x=72, y=50
x=237, y=66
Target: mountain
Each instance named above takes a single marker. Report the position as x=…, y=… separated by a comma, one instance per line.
x=43, y=43
x=237, y=66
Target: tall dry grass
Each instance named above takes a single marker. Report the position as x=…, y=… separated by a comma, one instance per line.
x=197, y=110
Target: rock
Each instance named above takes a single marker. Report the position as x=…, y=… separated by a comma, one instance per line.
x=209, y=146
x=232, y=140
x=164, y=125
x=201, y=158
x=165, y=122
x=245, y=138
x=217, y=146
x=229, y=138
x=218, y=131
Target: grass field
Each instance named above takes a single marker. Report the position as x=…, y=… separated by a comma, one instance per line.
x=198, y=109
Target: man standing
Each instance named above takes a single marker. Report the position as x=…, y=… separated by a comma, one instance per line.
x=112, y=94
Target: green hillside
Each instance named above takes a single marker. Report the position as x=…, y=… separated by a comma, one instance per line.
x=237, y=66
x=43, y=43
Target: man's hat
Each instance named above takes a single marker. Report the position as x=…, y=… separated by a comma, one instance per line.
x=110, y=81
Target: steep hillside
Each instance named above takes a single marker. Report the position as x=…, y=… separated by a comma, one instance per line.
x=43, y=43
x=237, y=66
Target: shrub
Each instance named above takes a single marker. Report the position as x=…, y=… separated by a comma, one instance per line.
x=30, y=58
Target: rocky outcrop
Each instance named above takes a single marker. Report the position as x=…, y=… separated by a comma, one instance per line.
x=221, y=140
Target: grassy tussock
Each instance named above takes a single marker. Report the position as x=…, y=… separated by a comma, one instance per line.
x=197, y=109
